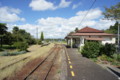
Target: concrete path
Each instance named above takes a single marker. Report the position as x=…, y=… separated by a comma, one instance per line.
x=80, y=68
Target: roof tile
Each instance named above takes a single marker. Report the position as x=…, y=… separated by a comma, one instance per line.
x=89, y=30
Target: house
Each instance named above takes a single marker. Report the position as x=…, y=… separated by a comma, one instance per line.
x=77, y=39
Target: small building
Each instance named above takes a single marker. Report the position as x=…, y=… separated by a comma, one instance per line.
x=78, y=38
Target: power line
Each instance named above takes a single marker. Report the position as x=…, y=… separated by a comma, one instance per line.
x=87, y=12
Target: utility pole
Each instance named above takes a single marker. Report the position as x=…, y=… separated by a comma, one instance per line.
x=37, y=34
x=118, y=37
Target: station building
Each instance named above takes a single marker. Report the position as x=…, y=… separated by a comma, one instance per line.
x=78, y=38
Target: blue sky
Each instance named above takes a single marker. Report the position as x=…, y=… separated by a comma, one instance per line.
x=55, y=17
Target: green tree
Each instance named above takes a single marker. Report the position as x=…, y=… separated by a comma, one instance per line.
x=8, y=38
x=76, y=29
x=15, y=30
x=42, y=36
x=3, y=30
x=22, y=46
x=113, y=12
x=113, y=29
x=20, y=35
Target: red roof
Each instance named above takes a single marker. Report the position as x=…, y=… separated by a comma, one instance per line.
x=92, y=34
x=89, y=30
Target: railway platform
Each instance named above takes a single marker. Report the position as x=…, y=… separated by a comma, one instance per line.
x=81, y=68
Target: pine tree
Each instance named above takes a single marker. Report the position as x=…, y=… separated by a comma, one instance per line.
x=42, y=36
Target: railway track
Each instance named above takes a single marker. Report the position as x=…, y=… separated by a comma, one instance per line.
x=41, y=70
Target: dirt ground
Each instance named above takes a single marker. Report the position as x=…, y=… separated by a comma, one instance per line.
x=18, y=61
x=58, y=71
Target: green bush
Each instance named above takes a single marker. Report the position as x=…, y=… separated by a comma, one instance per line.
x=115, y=63
x=91, y=49
x=22, y=46
x=1, y=49
x=108, y=49
x=104, y=57
x=40, y=42
x=116, y=56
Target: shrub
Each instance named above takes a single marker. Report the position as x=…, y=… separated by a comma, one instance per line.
x=116, y=56
x=39, y=42
x=22, y=46
x=13, y=53
x=108, y=49
x=104, y=57
x=91, y=49
x=1, y=49
x=115, y=63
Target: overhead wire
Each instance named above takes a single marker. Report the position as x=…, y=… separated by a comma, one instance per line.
x=87, y=12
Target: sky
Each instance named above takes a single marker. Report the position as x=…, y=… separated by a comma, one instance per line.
x=56, y=18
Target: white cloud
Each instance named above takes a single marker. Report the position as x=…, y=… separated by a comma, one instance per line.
x=58, y=27
x=41, y=5
x=10, y=14
x=93, y=13
x=76, y=5
x=64, y=4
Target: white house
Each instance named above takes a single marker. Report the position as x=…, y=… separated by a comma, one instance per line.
x=78, y=38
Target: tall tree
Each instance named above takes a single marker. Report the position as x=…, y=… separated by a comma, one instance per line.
x=113, y=12
x=42, y=36
x=3, y=30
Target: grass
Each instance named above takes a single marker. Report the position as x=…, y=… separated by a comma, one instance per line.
x=103, y=59
x=35, y=51
x=8, y=47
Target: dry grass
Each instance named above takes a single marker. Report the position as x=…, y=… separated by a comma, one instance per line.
x=35, y=51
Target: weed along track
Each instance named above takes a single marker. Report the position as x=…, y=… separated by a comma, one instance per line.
x=39, y=68
x=16, y=60
x=13, y=63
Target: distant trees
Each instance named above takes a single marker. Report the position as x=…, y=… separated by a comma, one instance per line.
x=19, y=37
x=42, y=36
x=113, y=29
x=8, y=39
x=22, y=35
x=15, y=30
x=76, y=29
x=3, y=30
